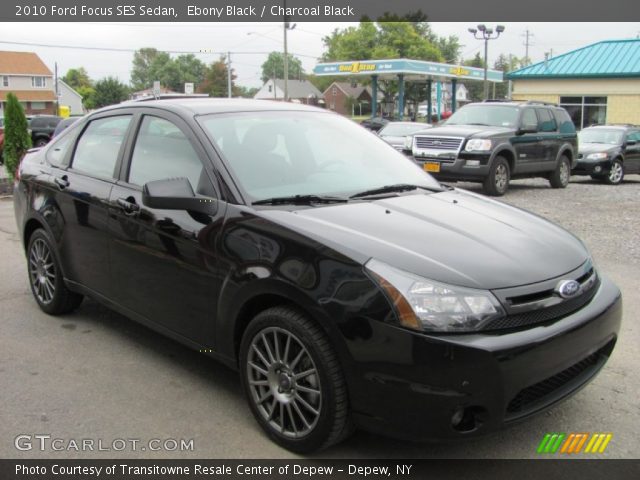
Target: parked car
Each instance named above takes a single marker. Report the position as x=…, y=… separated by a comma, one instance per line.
x=346, y=285
x=375, y=123
x=42, y=128
x=494, y=142
x=608, y=152
x=63, y=125
x=395, y=133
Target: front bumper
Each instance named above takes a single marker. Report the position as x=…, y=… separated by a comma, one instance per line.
x=465, y=166
x=413, y=385
x=591, y=167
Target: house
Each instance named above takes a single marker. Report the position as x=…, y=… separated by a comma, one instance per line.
x=348, y=98
x=68, y=97
x=596, y=84
x=299, y=91
x=26, y=75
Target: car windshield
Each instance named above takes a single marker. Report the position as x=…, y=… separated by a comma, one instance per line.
x=600, y=135
x=400, y=130
x=491, y=115
x=278, y=154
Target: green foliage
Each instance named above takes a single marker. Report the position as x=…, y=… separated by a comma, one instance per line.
x=215, y=80
x=273, y=67
x=16, y=135
x=475, y=88
x=109, y=91
x=78, y=79
x=245, y=92
x=506, y=63
x=150, y=65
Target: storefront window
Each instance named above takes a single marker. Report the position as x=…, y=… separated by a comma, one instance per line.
x=585, y=111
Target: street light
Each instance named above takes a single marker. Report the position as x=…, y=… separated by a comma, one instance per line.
x=482, y=32
x=287, y=26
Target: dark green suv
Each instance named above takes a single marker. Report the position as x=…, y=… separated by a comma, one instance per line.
x=494, y=142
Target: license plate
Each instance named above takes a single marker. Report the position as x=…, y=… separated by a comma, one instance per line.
x=433, y=167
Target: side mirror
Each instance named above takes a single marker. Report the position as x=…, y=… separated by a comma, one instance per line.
x=528, y=128
x=176, y=194
x=632, y=142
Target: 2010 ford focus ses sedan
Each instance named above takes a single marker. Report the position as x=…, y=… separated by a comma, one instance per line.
x=346, y=285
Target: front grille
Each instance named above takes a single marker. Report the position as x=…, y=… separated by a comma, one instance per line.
x=527, y=398
x=438, y=143
x=542, y=315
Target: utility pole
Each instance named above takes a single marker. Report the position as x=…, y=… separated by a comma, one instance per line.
x=229, y=74
x=527, y=43
x=287, y=26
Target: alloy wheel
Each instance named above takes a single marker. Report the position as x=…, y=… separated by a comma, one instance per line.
x=284, y=382
x=501, y=177
x=564, y=173
x=616, y=172
x=42, y=271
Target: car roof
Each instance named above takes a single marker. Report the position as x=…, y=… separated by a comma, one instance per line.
x=205, y=106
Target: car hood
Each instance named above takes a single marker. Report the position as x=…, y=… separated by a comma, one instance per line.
x=587, y=148
x=466, y=131
x=393, y=139
x=455, y=237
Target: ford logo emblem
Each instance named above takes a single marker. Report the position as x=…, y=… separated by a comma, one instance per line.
x=437, y=142
x=568, y=288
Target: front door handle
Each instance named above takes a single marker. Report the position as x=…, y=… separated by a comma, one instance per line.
x=61, y=182
x=128, y=205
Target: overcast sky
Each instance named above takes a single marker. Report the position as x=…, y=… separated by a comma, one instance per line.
x=305, y=41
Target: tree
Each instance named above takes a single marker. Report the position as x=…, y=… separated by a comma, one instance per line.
x=215, y=79
x=109, y=91
x=16, y=134
x=78, y=79
x=245, y=92
x=191, y=70
x=150, y=65
x=475, y=88
x=141, y=77
x=273, y=67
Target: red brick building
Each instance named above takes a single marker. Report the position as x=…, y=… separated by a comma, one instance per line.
x=348, y=98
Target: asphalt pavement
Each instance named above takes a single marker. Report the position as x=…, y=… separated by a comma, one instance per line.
x=96, y=375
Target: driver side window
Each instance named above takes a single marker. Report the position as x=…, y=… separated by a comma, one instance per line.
x=163, y=151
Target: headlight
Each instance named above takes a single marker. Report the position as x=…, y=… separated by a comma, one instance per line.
x=408, y=142
x=478, y=145
x=423, y=304
x=597, y=156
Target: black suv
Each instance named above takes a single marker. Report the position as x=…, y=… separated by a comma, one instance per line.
x=42, y=128
x=608, y=152
x=493, y=142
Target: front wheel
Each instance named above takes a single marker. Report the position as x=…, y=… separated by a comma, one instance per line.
x=562, y=174
x=40, y=142
x=293, y=381
x=497, y=183
x=616, y=173
x=45, y=277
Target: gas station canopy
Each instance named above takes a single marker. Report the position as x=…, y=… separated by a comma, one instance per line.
x=403, y=69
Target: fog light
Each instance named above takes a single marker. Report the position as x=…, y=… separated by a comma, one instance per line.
x=597, y=169
x=473, y=163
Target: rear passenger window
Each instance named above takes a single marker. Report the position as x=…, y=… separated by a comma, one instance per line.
x=98, y=148
x=546, y=121
x=163, y=151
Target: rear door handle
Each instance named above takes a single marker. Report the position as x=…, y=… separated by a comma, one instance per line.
x=128, y=206
x=61, y=182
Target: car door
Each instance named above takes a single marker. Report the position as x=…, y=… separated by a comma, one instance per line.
x=526, y=144
x=83, y=190
x=163, y=262
x=632, y=152
x=548, y=139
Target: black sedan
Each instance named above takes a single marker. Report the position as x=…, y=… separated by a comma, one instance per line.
x=396, y=133
x=346, y=285
x=375, y=123
x=608, y=152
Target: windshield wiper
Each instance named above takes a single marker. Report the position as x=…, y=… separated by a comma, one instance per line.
x=398, y=187
x=300, y=200
x=481, y=124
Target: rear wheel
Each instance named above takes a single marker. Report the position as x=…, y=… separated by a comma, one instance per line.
x=562, y=174
x=497, y=183
x=293, y=381
x=616, y=173
x=45, y=277
x=40, y=142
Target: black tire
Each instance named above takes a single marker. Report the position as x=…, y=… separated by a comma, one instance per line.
x=562, y=174
x=274, y=393
x=45, y=276
x=497, y=183
x=616, y=173
x=40, y=142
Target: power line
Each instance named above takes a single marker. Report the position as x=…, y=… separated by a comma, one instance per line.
x=131, y=50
